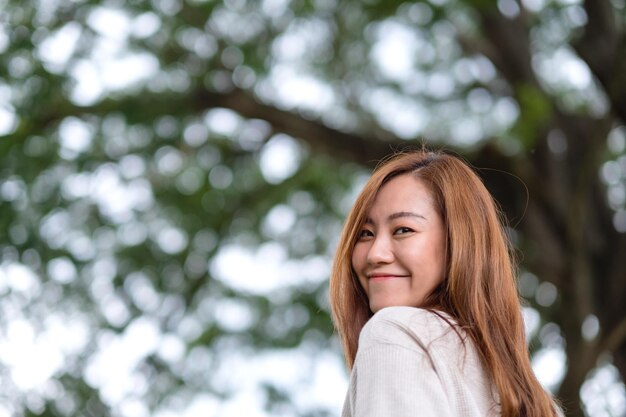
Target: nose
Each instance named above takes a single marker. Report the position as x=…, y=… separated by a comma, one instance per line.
x=380, y=252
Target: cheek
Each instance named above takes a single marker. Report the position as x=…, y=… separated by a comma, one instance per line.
x=442, y=250
x=358, y=257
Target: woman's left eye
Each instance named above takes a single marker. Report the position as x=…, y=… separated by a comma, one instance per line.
x=403, y=230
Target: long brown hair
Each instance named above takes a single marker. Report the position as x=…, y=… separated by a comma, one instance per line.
x=479, y=289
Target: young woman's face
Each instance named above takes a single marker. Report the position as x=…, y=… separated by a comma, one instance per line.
x=399, y=256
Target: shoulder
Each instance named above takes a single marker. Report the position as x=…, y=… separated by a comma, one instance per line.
x=414, y=318
x=407, y=326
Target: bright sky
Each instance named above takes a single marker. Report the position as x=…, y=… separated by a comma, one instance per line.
x=34, y=349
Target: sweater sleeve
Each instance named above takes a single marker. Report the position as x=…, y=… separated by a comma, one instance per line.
x=391, y=378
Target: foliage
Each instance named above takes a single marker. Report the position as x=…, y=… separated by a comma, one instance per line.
x=174, y=175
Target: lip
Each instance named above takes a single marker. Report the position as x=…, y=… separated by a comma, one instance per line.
x=383, y=277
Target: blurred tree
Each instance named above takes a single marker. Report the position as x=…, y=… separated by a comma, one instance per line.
x=157, y=156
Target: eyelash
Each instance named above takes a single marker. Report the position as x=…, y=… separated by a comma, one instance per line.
x=400, y=230
x=404, y=229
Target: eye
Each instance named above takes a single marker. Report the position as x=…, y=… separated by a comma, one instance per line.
x=364, y=234
x=402, y=230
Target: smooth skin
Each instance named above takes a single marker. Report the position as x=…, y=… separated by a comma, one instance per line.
x=399, y=257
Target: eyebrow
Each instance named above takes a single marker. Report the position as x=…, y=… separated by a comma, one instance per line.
x=398, y=215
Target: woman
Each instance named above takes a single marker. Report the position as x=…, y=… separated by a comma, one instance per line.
x=424, y=298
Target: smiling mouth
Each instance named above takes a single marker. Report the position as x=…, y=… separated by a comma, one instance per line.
x=385, y=277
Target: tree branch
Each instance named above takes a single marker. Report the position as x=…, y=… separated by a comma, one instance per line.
x=603, y=47
x=361, y=148
x=511, y=46
x=600, y=39
x=614, y=339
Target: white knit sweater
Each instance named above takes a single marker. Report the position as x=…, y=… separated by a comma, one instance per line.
x=412, y=363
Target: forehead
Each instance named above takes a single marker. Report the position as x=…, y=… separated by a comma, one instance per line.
x=403, y=192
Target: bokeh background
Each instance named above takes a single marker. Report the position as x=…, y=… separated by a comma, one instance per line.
x=174, y=175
